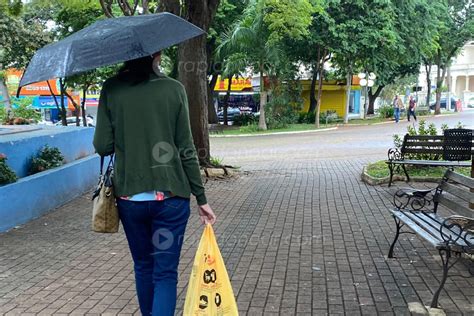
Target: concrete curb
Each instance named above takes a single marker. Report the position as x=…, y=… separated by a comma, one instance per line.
x=393, y=121
x=276, y=133
x=365, y=177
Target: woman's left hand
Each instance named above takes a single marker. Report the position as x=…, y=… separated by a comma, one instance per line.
x=207, y=214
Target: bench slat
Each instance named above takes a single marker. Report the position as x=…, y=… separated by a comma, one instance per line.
x=417, y=229
x=430, y=151
x=439, y=163
x=459, y=178
x=425, y=137
x=424, y=143
x=455, y=207
x=456, y=191
x=428, y=228
x=433, y=222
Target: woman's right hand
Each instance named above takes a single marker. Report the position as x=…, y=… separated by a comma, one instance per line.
x=207, y=214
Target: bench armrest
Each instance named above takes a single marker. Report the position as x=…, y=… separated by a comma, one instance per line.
x=394, y=154
x=417, y=200
x=461, y=230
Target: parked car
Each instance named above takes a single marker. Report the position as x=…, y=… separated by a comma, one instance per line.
x=443, y=104
x=71, y=121
x=231, y=113
x=470, y=103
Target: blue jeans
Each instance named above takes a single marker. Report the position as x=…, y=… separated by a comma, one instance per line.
x=397, y=114
x=155, y=233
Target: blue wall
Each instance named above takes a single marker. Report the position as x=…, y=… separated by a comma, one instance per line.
x=74, y=143
x=33, y=196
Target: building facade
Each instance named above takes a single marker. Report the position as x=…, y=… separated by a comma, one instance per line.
x=459, y=79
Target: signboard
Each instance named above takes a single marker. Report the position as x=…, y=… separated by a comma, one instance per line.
x=13, y=77
x=238, y=84
x=47, y=102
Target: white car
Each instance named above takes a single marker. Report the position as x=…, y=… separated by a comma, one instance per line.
x=470, y=103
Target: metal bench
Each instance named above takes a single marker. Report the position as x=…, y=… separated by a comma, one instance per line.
x=454, y=148
x=417, y=210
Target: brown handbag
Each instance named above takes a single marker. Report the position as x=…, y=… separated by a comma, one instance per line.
x=105, y=217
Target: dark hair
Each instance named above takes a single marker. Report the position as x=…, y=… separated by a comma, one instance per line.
x=137, y=70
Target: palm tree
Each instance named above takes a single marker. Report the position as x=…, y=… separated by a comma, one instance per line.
x=249, y=39
x=234, y=65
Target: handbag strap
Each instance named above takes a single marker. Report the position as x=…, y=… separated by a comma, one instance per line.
x=111, y=163
x=102, y=164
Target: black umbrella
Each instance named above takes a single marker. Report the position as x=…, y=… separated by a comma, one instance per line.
x=108, y=42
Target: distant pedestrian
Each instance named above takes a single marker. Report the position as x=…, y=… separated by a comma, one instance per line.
x=397, y=106
x=411, y=108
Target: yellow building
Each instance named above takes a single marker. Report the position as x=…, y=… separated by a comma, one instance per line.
x=334, y=96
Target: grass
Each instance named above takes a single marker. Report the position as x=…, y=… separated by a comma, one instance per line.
x=380, y=170
x=252, y=129
x=369, y=121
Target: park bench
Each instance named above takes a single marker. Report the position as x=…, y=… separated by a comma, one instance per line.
x=450, y=235
x=454, y=147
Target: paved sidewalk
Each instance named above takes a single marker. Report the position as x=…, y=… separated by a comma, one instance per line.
x=297, y=237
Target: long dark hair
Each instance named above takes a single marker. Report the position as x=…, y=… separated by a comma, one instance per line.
x=137, y=70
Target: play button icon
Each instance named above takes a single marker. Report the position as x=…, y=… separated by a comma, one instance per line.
x=163, y=239
x=163, y=152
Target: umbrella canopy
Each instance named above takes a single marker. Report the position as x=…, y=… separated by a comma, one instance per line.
x=108, y=42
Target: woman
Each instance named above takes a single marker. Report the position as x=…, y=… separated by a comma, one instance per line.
x=143, y=118
x=411, y=108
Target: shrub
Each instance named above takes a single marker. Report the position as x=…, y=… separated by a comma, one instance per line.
x=3, y=115
x=421, y=131
x=328, y=116
x=245, y=119
x=23, y=112
x=386, y=111
x=6, y=173
x=422, y=111
x=307, y=118
x=310, y=118
x=48, y=158
x=216, y=161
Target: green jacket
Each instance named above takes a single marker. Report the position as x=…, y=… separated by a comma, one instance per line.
x=147, y=127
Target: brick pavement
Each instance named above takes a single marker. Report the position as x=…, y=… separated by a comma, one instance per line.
x=297, y=237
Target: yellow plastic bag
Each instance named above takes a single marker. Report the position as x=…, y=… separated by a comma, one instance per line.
x=209, y=290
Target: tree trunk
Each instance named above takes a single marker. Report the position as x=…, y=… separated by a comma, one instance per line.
x=83, y=106
x=6, y=96
x=63, y=107
x=193, y=74
x=320, y=86
x=312, y=91
x=428, y=83
x=76, y=108
x=439, y=83
x=372, y=98
x=262, y=124
x=348, y=94
x=54, y=97
x=226, y=101
x=210, y=95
